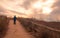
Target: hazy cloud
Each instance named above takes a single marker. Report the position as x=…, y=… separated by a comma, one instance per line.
x=23, y=5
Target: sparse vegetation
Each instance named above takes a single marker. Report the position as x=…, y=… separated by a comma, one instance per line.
x=3, y=26
x=40, y=32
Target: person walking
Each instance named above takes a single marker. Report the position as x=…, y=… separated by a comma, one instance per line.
x=15, y=19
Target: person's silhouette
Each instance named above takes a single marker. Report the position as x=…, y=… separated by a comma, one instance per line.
x=14, y=19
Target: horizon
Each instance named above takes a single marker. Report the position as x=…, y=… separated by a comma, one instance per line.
x=38, y=9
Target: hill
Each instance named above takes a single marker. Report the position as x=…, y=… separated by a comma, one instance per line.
x=41, y=29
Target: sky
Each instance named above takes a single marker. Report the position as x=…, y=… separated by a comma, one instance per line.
x=47, y=10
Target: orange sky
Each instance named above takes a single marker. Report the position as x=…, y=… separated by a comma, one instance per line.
x=39, y=9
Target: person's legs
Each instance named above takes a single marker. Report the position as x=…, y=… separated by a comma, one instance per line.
x=14, y=21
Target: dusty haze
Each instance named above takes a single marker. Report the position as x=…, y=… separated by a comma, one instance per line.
x=48, y=10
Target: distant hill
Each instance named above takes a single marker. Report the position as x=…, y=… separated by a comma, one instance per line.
x=39, y=31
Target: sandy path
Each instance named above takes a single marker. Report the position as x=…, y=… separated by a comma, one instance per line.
x=16, y=31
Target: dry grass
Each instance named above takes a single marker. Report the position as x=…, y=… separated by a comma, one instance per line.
x=40, y=32
x=3, y=26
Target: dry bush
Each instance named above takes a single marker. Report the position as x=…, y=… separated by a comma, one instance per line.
x=36, y=30
x=3, y=26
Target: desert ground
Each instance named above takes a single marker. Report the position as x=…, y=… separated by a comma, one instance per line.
x=28, y=28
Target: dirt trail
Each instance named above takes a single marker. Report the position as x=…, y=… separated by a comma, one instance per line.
x=16, y=31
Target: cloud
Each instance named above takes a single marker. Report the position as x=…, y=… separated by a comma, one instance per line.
x=22, y=6
x=1, y=9
x=55, y=14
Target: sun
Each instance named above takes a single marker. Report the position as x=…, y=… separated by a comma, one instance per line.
x=47, y=10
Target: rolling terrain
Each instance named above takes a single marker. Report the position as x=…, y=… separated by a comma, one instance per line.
x=28, y=28
x=41, y=29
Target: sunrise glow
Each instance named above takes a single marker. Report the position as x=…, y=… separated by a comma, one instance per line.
x=44, y=7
